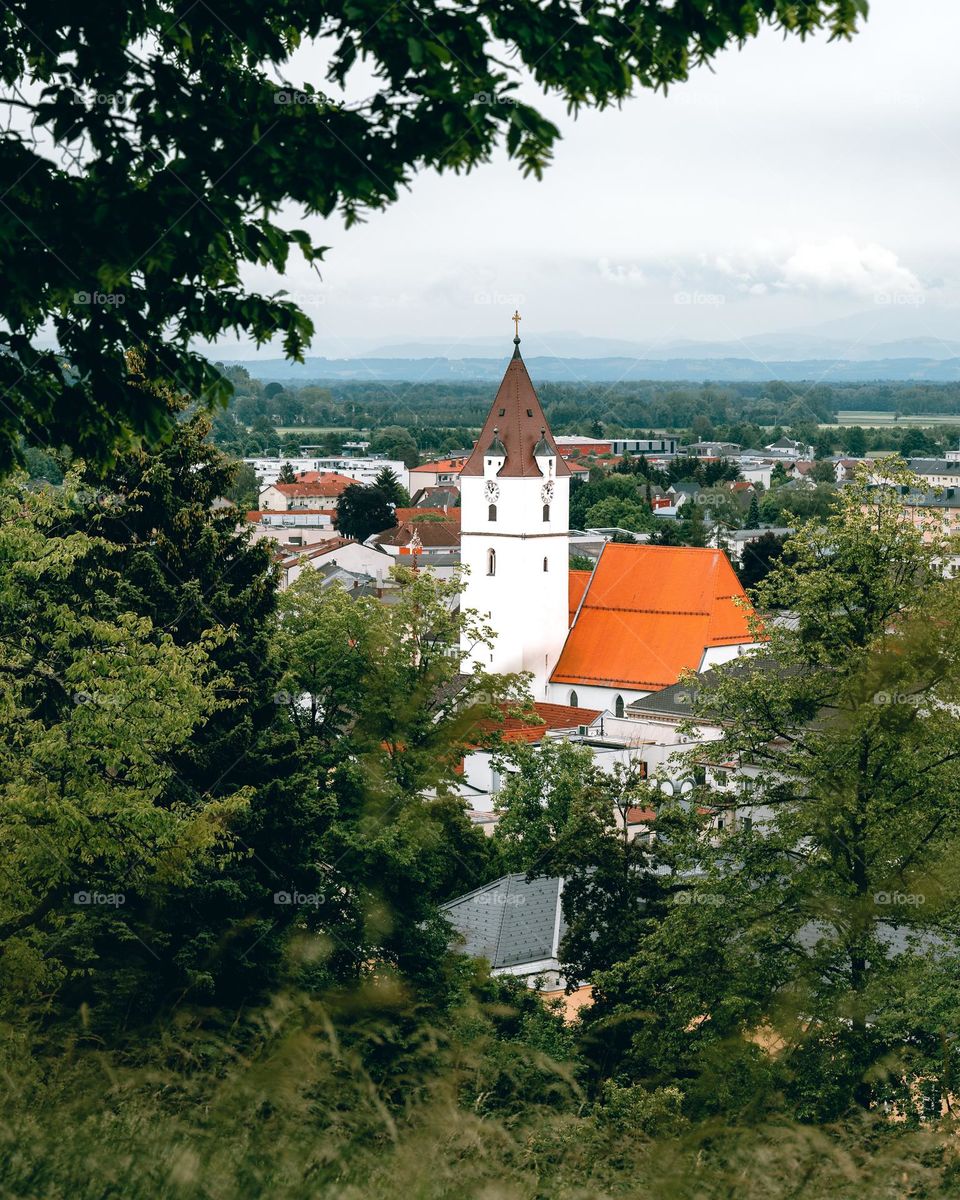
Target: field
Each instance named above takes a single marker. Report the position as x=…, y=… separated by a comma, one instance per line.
x=878, y=420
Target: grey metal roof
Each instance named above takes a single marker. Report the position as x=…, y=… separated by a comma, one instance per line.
x=509, y=922
x=929, y=466
x=676, y=701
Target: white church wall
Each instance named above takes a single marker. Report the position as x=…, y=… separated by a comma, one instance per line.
x=524, y=598
x=602, y=698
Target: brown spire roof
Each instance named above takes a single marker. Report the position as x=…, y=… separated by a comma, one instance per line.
x=518, y=418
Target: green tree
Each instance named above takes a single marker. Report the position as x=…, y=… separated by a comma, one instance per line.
x=387, y=482
x=626, y=514
x=362, y=511
x=833, y=919
x=753, y=513
x=98, y=703
x=147, y=211
x=778, y=476
x=382, y=717
x=287, y=474
x=855, y=442
x=397, y=443
x=539, y=802
x=759, y=558
x=244, y=491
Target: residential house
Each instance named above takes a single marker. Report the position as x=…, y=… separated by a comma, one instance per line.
x=443, y=472
x=344, y=552
x=323, y=491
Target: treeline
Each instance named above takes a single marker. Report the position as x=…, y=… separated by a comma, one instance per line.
x=442, y=417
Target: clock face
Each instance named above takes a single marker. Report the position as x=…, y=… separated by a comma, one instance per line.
x=491, y=491
x=546, y=492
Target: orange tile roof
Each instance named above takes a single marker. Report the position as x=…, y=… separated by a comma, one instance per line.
x=329, y=484
x=578, y=581
x=441, y=464
x=649, y=613
x=552, y=717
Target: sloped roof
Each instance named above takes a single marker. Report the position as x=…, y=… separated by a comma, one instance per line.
x=556, y=718
x=431, y=533
x=423, y=515
x=517, y=417
x=328, y=484
x=578, y=581
x=650, y=612
x=438, y=467
x=510, y=921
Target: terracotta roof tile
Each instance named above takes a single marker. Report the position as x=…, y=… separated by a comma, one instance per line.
x=649, y=613
x=553, y=717
x=329, y=484
x=577, y=586
x=438, y=467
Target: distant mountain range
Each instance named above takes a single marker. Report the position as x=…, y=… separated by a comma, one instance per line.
x=885, y=342
x=607, y=370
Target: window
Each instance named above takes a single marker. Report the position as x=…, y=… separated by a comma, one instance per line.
x=545, y=566
x=492, y=513
x=491, y=562
x=618, y=707
x=546, y=512
x=573, y=700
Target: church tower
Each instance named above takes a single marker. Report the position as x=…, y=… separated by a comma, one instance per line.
x=515, y=518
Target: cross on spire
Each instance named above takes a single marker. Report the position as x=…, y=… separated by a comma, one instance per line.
x=516, y=319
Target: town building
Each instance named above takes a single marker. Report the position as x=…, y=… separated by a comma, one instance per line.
x=360, y=470
x=514, y=503
x=444, y=472
x=644, y=616
x=323, y=490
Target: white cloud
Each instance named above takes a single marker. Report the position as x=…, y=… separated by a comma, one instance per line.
x=620, y=273
x=843, y=265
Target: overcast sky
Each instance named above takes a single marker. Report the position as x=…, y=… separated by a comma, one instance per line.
x=792, y=185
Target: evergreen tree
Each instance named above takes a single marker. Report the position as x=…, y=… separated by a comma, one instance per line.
x=753, y=513
x=287, y=474
x=362, y=511
x=387, y=482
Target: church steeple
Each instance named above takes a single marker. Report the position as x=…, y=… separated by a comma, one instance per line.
x=516, y=423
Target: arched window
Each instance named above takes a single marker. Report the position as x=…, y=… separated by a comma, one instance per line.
x=546, y=512
x=573, y=700
x=491, y=562
x=545, y=568
x=618, y=707
x=492, y=513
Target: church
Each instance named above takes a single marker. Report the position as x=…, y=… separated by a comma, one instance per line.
x=599, y=639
